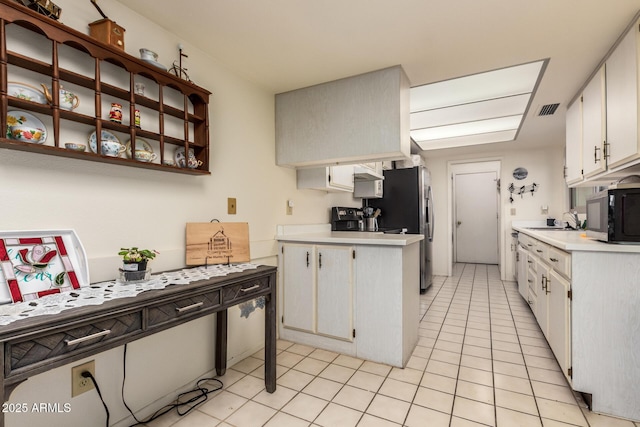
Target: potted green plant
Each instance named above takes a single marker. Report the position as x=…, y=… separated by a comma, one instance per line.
x=135, y=261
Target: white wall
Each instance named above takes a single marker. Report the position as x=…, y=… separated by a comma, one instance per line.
x=112, y=206
x=545, y=168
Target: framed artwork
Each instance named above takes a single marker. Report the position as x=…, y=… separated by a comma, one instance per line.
x=38, y=263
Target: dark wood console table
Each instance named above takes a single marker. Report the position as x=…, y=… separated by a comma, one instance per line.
x=39, y=344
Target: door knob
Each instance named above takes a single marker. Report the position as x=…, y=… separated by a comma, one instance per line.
x=458, y=223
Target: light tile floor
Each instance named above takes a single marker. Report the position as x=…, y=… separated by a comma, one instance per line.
x=481, y=360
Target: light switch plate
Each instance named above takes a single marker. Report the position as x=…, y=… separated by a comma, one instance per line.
x=231, y=205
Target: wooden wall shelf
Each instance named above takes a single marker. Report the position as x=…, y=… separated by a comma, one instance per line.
x=188, y=115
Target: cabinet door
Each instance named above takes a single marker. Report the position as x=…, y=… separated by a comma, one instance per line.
x=341, y=177
x=573, y=143
x=622, y=100
x=559, y=336
x=298, y=288
x=542, y=304
x=523, y=285
x=594, y=126
x=335, y=291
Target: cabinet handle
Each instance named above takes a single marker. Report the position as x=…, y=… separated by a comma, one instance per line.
x=529, y=281
x=539, y=251
x=595, y=154
x=252, y=288
x=320, y=260
x=544, y=282
x=307, y=258
x=189, y=307
x=606, y=149
x=88, y=337
x=529, y=261
x=529, y=244
x=546, y=288
x=553, y=259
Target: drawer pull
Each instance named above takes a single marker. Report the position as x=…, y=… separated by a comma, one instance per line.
x=189, y=307
x=252, y=288
x=553, y=259
x=88, y=337
x=539, y=251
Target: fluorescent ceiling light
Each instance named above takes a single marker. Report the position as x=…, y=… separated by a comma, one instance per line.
x=492, y=104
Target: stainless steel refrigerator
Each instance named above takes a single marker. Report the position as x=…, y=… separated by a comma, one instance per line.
x=407, y=202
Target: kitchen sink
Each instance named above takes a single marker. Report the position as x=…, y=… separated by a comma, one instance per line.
x=550, y=229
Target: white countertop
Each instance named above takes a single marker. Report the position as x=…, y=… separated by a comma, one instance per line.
x=353, y=238
x=576, y=240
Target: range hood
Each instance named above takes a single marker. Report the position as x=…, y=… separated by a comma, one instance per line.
x=363, y=173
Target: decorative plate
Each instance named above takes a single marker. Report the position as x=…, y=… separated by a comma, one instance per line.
x=106, y=136
x=26, y=92
x=38, y=263
x=19, y=117
x=520, y=173
x=141, y=144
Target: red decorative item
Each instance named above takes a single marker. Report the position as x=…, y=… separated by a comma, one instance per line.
x=115, y=115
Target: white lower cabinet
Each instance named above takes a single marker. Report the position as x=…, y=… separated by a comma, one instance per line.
x=318, y=289
x=299, y=287
x=523, y=286
x=542, y=300
x=547, y=273
x=559, y=319
x=334, y=289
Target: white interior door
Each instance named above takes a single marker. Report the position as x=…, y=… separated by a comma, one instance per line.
x=476, y=217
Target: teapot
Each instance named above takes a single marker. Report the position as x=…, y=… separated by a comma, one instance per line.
x=68, y=100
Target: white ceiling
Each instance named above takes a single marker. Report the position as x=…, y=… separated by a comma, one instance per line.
x=288, y=44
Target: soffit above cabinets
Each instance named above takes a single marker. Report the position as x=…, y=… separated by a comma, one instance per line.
x=478, y=109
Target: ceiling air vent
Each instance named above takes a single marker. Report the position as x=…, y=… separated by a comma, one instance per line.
x=548, y=110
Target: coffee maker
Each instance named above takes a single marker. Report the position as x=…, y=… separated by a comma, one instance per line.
x=346, y=219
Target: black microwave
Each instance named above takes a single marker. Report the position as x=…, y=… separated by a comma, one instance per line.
x=613, y=215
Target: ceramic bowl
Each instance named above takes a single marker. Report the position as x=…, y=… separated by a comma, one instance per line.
x=75, y=147
x=144, y=155
x=27, y=133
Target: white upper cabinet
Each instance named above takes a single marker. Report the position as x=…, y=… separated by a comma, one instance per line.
x=332, y=178
x=603, y=121
x=573, y=147
x=352, y=120
x=594, y=126
x=622, y=100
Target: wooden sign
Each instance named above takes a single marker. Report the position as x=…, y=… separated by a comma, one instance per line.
x=217, y=243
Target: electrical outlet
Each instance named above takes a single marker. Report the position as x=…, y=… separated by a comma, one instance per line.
x=513, y=211
x=80, y=384
x=289, y=207
x=231, y=205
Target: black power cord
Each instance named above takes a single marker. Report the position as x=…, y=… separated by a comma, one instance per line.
x=199, y=395
x=87, y=374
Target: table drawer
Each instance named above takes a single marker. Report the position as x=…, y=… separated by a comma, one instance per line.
x=561, y=261
x=168, y=311
x=245, y=290
x=66, y=341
